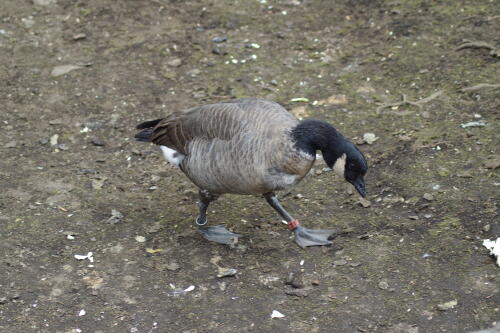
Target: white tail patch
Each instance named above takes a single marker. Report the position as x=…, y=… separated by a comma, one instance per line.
x=339, y=165
x=172, y=156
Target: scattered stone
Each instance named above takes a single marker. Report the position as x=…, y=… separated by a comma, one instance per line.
x=493, y=163
x=64, y=69
x=98, y=183
x=53, y=139
x=487, y=227
x=226, y=272
x=315, y=282
x=3, y=300
x=365, y=203
x=370, y=138
x=173, y=266
x=252, y=46
x=175, y=62
x=413, y=217
x=97, y=142
x=219, y=39
x=447, y=305
x=79, y=36
x=140, y=239
x=222, y=285
x=115, y=218
x=297, y=292
x=219, y=50
x=340, y=262
x=383, y=285
x=428, y=197
x=28, y=21
x=11, y=144
x=474, y=124
x=44, y=2
x=295, y=280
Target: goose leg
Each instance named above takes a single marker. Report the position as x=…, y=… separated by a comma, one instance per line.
x=217, y=233
x=303, y=236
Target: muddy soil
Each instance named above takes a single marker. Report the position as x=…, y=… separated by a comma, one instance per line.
x=408, y=260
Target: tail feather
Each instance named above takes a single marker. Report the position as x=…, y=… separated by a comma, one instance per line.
x=148, y=124
x=144, y=135
x=147, y=128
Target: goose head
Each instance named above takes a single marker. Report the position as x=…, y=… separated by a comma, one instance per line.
x=351, y=165
x=339, y=153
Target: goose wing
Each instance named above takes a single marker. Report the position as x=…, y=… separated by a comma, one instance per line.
x=221, y=121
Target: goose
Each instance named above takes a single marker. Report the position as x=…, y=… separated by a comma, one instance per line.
x=251, y=146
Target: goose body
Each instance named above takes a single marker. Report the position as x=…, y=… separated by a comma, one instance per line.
x=243, y=146
x=248, y=146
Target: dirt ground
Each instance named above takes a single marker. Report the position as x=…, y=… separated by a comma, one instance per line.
x=408, y=260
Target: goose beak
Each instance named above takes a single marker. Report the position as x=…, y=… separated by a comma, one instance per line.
x=359, y=185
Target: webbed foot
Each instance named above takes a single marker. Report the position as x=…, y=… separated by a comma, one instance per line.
x=219, y=234
x=309, y=237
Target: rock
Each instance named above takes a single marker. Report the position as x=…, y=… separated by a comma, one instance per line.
x=447, y=305
x=44, y=2
x=3, y=300
x=115, y=218
x=226, y=272
x=295, y=280
x=140, y=239
x=487, y=227
x=315, y=282
x=383, y=285
x=11, y=144
x=493, y=163
x=64, y=69
x=53, y=139
x=172, y=266
x=176, y=62
x=365, y=203
x=79, y=36
x=219, y=39
x=428, y=197
x=97, y=142
x=340, y=262
x=219, y=50
x=369, y=138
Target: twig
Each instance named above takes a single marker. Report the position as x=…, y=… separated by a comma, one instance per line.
x=406, y=101
x=480, y=86
x=494, y=52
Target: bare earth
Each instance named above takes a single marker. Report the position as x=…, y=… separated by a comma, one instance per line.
x=410, y=260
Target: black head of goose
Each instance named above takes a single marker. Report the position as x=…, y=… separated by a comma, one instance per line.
x=251, y=146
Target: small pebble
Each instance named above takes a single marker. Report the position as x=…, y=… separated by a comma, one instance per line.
x=140, y=239
x=340, y=262
x=226, y=272
x=428, y=197
x=219, y=39
x=383, y=285
x=175, y=62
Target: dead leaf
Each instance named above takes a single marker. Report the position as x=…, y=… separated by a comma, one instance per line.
x=299, y=112
x=334, y=100
x=153, y=251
